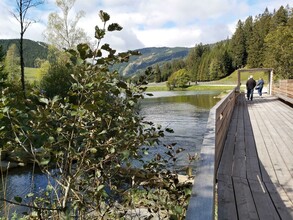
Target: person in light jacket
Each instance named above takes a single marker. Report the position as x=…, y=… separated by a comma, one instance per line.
x=250, y=84
x=259, y=86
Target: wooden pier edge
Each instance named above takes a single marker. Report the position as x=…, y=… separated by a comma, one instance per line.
x=201, y=204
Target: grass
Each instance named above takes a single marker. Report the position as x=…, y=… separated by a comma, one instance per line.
x=233, y=78
x=153, y=88
x=32, y=74
x=224, y=84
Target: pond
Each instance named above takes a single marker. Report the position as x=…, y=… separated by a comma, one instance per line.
x=186, y=112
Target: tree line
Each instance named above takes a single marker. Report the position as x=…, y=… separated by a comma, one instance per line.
x=263, y=41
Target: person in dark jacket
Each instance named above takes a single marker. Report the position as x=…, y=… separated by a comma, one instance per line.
x=259, y=86
x=250, y=84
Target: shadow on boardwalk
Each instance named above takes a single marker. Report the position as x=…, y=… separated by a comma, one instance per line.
x=254, y=178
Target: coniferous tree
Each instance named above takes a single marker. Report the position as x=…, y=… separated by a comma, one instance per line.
x=279, y=51
x=12, y=63
x=166, y=71
x=248, y=32
x=238, y=46
x=158, y=77
x=3, y=73
x=256, y=46
x=193, y=61
x=279, y=18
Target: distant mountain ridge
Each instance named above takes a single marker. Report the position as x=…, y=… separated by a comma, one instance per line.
x=149, y=57
x=137, y=64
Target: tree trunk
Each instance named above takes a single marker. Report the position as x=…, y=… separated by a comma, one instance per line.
x=22, y=65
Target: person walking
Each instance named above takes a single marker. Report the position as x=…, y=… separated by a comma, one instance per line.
x=250, y=84
x=259, y=86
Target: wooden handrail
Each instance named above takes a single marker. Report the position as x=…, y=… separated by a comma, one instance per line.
x=284, y=90
x=201, y=204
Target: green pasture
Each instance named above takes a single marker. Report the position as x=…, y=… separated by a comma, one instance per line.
x=233, y=78
x=224, y=84
x=32, y=74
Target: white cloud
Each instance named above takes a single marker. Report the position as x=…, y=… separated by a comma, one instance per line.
x=149, y=23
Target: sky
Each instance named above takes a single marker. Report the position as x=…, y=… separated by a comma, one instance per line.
x=146, y=23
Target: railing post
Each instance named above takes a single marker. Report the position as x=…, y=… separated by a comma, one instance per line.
x=271, y=81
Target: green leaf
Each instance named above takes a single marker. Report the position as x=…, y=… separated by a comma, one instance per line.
x=106, y=47
x=170, y=130
x=44, y=100
x=104, y=16
x=100, y=187
x=30, y=195
x=114, y=27
x=121, y=84
x=125, y=154
x=5, y=109
x=99, y=33
x=178, y=209
x=18, y=199
x=45, y=162
x=51, y=139
x=84, y=51
x=93, y=150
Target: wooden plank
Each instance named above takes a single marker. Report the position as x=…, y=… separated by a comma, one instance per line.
x=226, y=163
x=267, y=171
x=264, y=205
x=273, y=142
x=288, y=188
x=270, y=124
x=253, y=170
x=282, y=203
x=244, y=200
x=226, y=200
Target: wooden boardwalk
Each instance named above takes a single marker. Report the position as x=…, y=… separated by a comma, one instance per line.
x=255, y=174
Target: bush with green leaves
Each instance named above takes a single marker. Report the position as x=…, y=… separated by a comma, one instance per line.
x=87, y=141
x=178, y=79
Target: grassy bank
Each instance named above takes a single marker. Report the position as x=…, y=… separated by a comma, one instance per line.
x=200, y=87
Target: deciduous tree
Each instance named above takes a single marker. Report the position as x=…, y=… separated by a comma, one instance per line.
x=62, y=31
x=21, y=15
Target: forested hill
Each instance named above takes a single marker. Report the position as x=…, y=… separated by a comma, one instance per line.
x=137, y=64
x=149, y=57
x=32, y=50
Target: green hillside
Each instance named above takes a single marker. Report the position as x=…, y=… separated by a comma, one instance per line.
x=233, y=78
x=32, y=50
x=150, y=57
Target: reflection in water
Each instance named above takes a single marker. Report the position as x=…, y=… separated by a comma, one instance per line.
x=20, y=182
x=185, y=112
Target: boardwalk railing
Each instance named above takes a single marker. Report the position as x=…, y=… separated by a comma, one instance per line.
x=201, y=205
x=284, y=90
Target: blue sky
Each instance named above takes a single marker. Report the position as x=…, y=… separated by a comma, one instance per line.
x=148, y=23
